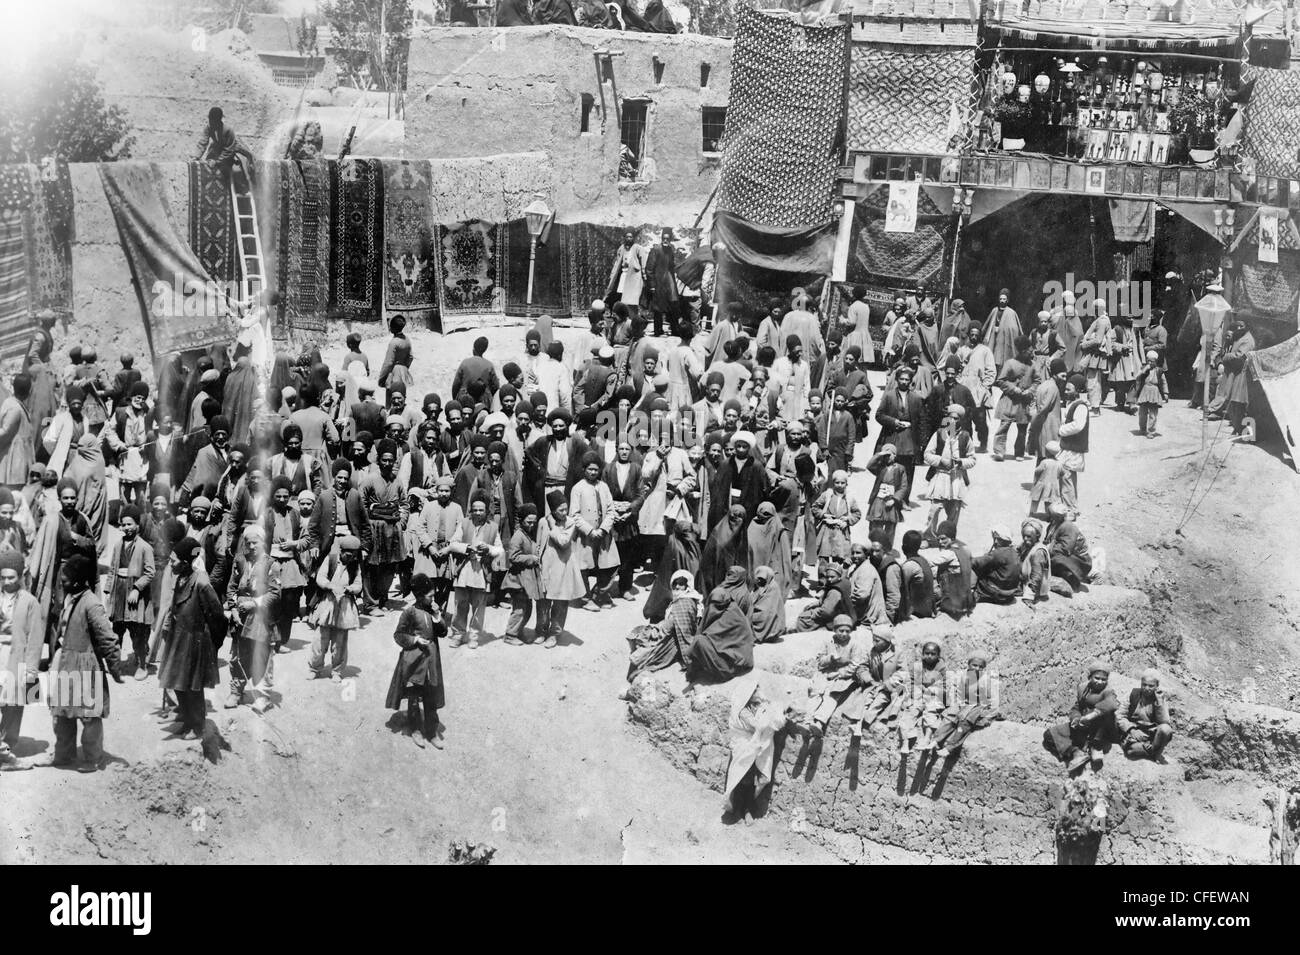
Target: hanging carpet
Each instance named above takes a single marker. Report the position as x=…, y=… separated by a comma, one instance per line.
x=467, y=261
x=160, y=260
x=1272, y=127
x=408, y=237
x=213, y=235
x=309, y=273
x=358, y=238
x=52, y=234
x=899, y=258
x=550, y=277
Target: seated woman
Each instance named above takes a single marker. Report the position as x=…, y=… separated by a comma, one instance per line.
x=1091, y=728
x=1144, y=725
x=974, y=705
x=724, y=647
x=681, y=552
x=670, y=641
x=768, y=615
x=997, y=573
x=753, y=726
x=1071, y=559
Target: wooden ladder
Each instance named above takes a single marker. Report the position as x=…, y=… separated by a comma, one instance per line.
x=252, y=269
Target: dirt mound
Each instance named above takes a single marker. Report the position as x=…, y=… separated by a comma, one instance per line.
x=995, y=803
x=166, y=82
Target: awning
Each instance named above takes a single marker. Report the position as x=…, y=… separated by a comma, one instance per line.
x=1277, y=370
x=773, y=248
x=989, y=201
x=1199, y=214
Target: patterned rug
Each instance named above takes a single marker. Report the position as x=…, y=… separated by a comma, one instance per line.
x=1270, y=291
x=213, y=236
x=311, y=277
x=16, y=320
x=468, y=266
x=550, y=279
x=899, y=258
x=1272, y=127
x=51, y=241
x=160, y=259
x=358, y=238
x=589, y=254
x=780, y=147
x=408, y=237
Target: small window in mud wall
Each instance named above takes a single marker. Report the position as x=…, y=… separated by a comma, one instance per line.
x=635, y=115
x=588, y=104
x=713, y=119
x=704, y=75
x=658, y=71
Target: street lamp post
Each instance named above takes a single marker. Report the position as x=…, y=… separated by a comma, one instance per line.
x=536, y=216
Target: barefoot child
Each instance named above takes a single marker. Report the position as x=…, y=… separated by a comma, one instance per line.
x=973, y=705
x=417, y=678
x=1047, y=481
x=835, y=513
x=837, y=666
x=924, y=702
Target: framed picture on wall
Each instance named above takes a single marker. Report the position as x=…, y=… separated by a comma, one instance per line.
x=1095, y=179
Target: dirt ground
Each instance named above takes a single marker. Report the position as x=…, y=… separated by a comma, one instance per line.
x=540, y=761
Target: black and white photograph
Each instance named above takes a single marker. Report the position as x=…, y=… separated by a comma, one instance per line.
x=651, y=432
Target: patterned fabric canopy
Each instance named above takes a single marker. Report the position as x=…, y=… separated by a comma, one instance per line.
x=901, y=99
x=1272, y=130
x=781, y=147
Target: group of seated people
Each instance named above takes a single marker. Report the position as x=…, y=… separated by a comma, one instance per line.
x=932, y=710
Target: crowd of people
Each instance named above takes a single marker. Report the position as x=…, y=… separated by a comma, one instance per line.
x=145, y=527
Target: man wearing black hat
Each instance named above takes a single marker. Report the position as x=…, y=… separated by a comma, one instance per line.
x=85, y=656
x=661, y=284
x=211, y=461
x=554, y=462
x=475, y=368
x=192, y=629
x=949, y=391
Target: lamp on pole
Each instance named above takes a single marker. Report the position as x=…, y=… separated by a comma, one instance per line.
x=536, y=215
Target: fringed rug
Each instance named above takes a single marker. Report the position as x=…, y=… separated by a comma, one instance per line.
x=468, y=263
x=408, y=237
x=357, y=286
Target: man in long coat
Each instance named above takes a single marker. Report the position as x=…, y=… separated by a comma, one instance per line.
x=627, y=276
x=1001, y=330
x=739, y=480
x=192, y=629
x=85, y=656
x=661, y=281
x=554, y=462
